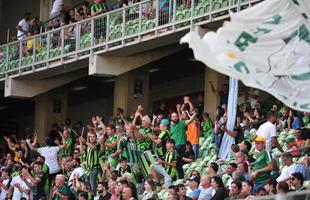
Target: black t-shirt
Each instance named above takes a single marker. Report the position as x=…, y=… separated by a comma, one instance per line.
x=223, y=97
x=107, y=196
x=189, y=154
x=38, y=189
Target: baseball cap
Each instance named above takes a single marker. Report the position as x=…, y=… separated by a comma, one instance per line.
x=165, y=122
x=194, y=178
x=260, y=139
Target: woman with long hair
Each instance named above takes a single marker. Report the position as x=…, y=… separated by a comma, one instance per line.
x=220, y=191
x=150, y=190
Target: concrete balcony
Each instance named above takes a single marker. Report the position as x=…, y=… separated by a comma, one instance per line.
x=128, y=31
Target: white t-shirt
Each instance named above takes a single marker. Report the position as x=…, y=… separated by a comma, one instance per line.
x=16, y=193
x=267, y=130
x=56, y=8
x=25, y=26
x=287, y=171
x=3, y=191
x=51, y=154
x=78, y=171
x=205, y=193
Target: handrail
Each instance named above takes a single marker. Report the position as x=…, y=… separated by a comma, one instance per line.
x=51, y=19
x=113, y=29
x=79, y=22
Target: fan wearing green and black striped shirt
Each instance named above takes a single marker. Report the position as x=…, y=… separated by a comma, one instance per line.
x=91, y=154
x=167, y=168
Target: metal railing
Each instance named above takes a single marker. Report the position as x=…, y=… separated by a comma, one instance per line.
x=115, y=29
x=301, y=195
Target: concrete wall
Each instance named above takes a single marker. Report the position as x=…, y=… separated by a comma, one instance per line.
x=186, y=85
x=85, y=111
x=13, y=10
x=50, y=107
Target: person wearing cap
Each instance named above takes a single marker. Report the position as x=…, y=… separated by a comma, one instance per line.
x=193, y=190
x=263, y=164
x=268, y=131
x=290, y=168
x=160, y=141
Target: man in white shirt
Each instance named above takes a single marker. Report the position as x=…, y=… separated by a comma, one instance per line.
x=291, y=168
x=57, y=8
x=205, y=189
x=21, y=186
x=50, y=153
x=268, y=131
x=23, y=26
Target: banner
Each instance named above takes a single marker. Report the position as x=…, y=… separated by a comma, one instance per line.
x=266, y=46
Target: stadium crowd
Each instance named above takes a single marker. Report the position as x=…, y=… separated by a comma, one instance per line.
x=61, y=16
x=139, y=157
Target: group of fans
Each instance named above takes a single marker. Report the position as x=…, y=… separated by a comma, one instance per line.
x=137, y=157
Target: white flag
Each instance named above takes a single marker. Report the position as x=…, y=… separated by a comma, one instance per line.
x=266, y=46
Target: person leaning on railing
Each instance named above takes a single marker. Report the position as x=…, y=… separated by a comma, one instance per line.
x=98, y=8
x=30, y=43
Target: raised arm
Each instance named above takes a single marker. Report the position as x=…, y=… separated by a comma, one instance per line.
x=32, y=147
x=82, y=141
x=10, y=144
x=179, y=108
x=137, y=115
x=35, y=139
x=188, y=101
x=191, y=119
x=63, y=145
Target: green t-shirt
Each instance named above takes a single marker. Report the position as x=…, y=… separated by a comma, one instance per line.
x=147, y=143
x=98, y=6
x=64, y=191
x=92, y=156
x=110, y=140
x=262, y=161
x=171, y=157
x=178, y=133
x=161, y=148
x=206, y=127
x=69, y=150
x=305, y=120
x=129, y=149
x=39, y=189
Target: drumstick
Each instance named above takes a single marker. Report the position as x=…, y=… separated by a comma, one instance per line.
x=75, y=133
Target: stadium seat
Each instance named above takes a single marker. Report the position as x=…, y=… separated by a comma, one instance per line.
x=218, y=4
x=201, y=8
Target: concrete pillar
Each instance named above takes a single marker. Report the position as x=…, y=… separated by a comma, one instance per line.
x=50, y=107
x=1, y=13
x=45, y=9
x=211, y=99
x=126, y=87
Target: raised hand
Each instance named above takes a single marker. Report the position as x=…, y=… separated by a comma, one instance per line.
x=82, y=140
